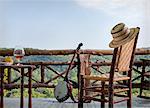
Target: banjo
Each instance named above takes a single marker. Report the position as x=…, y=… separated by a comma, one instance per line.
x=63, y=90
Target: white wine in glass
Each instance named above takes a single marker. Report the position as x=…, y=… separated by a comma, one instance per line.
x=19, y=53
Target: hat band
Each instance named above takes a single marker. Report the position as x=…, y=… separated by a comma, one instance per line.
x=119, y=27
x=121, y=37
x=120, y=33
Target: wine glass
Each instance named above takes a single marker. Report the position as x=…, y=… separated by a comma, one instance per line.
x=19, y=53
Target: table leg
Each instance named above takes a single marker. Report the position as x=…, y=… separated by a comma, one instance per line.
x=2, y=88
x=30, y=88
x=22, y=88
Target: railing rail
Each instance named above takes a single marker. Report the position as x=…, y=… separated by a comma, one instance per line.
x=29, y=51
x=43, y=66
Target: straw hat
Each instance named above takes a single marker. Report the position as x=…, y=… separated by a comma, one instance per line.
x=122, y=34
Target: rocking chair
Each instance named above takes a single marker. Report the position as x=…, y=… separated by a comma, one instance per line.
x=111, y=83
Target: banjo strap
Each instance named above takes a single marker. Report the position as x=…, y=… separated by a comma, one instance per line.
x=72, y=98
x=78, y=48
x=70, y=93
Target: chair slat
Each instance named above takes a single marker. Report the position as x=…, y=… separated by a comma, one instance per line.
x=125, y=56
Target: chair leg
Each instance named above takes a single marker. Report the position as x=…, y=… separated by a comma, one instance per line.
x=103, y=96
x=80, y=105
x=111, y=96
x=129, y=102
x=111, y=105
x=102, y=105
x=81, y=85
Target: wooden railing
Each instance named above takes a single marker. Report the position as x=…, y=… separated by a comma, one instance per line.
x=51, y=66
x=41, y=69
x=29, y=51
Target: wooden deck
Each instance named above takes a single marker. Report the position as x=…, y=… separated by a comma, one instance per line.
x=52, y=103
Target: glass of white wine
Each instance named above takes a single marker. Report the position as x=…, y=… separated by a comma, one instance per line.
x=19, y=54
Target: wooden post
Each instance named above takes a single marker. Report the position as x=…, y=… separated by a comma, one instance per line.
x=103, y=95
x=42, y=73
x=30, y=87
x=111, y=86
x=85, y=69
x=2, y=87
x=142, y=77
x=9, y=75
x=22, y=88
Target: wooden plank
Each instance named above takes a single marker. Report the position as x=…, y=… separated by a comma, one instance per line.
x=95, y=77
x=30, y=51
x=52, y=103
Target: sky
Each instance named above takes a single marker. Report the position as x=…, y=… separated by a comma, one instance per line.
x=63, y=24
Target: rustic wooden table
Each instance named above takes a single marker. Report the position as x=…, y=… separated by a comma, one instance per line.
x=21, y=68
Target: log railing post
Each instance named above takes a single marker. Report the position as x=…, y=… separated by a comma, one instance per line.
x=85, y=68
x=9, y=75
x=42, y=73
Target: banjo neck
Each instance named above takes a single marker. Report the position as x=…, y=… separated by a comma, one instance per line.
x=78, y=48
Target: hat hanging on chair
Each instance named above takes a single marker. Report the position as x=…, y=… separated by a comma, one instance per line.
x=122, y=34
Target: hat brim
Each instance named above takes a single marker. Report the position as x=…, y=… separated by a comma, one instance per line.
x=133, y=33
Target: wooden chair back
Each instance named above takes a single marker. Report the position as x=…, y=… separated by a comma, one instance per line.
x=123, y=56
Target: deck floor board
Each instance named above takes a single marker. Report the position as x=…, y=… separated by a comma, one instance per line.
x=52, y=103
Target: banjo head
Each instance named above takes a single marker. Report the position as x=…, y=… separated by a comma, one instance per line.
x=61, y=91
